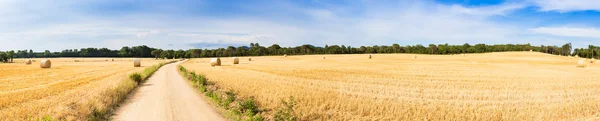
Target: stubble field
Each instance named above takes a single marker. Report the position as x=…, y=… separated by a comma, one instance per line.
x=66, y=91
x=491, y=86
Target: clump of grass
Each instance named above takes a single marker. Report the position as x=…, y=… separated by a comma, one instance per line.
x=136, y=77
x=286, y=112
x=248, y=107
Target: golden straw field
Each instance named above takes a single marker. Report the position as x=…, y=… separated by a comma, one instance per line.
x=490, y=86
x=64, y=91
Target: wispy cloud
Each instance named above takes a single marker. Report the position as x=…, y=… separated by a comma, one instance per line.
x=568, y=31
x=567, y=5
x=200, y=24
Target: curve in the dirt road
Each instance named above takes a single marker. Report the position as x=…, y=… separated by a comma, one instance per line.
x=166, y=97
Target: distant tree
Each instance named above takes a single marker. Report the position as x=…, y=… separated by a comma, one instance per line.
x=156, y=53
x=566, y=49
x=47, y=53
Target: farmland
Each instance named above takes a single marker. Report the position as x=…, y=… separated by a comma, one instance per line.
x=65, y=91
x=489, y=86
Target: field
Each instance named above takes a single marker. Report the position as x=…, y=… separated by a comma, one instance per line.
x=65, y=91
x=490, y=86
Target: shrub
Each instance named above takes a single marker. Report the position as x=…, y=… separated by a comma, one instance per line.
x=201, y=79
x=286, y=113
x=256, y=118
x=192, y=76
x=230, y=98
x=248, y=106
x=137, y=77
x=202, y=88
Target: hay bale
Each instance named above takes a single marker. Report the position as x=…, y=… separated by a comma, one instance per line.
x=215, y=62
x=530, y=50
x=28, y=62
x=370, y=56
x=415, y=57
x=582, y=63
x=284, y=55
x=249, y=59
x=45, y=64
x=236, y=60
x=323, y=57
x=137, y=62
x=113, y=59
x=592, y=60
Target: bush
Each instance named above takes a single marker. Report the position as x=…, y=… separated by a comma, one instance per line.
x=256, y=118
x=230, y=98
x=201, y=79
x=248, y=106
x=286, y=113
x=137, y=77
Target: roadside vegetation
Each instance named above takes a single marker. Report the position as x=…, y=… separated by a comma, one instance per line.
x=236, y=107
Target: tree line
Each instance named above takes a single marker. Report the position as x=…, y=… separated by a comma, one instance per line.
x=257, y=50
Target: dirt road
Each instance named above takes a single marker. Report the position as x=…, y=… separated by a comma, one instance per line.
x=166, y=96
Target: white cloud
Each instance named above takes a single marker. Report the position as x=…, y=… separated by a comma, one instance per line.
x=568, y=31
x=371, y=23
x=567, y=5
x=502, y=9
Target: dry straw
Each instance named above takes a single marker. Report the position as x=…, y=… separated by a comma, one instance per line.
x=27, y=62
x=137, y=62
x=215, y=62
x=236, y=60
x=45, y=64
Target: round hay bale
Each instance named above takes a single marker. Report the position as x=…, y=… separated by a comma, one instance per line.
x=249, y=59
x=592, y=60
x=236, y=60
x=323, y=57
x=370, y=56
x=530, y=50
x=137, y=62
x=215, y=62
x=45, y=64
x=284, y=55
x=28, y=62
x=113, y=59
x=582, y=63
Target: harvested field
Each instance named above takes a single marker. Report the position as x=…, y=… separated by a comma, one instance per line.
x=490, y=86
x=30, y=92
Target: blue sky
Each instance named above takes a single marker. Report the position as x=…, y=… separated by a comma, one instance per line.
x=184, y=24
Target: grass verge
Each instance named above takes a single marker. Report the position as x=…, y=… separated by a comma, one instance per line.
x=235, y=107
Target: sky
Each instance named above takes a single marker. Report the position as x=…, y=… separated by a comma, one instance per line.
x=185, y=24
